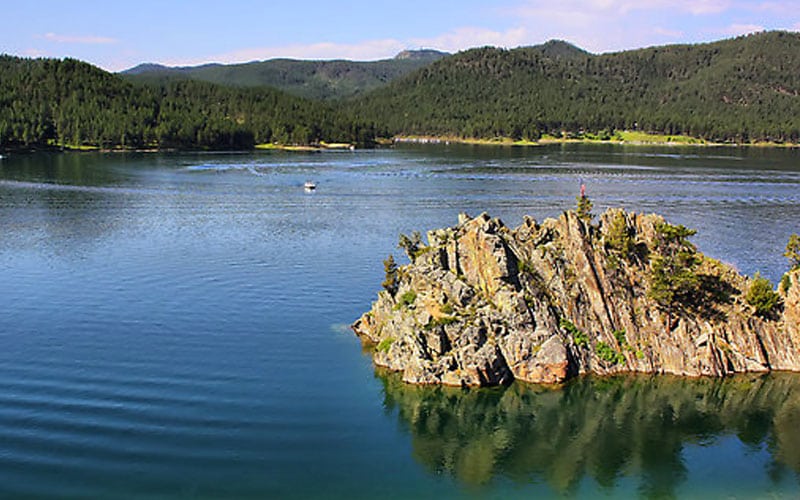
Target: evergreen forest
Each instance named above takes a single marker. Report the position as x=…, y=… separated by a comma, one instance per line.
x=740, y=90
x=68, y=103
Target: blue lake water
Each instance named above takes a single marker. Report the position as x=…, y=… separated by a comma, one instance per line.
x=175, y=325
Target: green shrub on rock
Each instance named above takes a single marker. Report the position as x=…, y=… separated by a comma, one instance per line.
x=786, y=283
x=580, y=338
x=761, y=296
x=408, y=298
x=607, y=353
x=385, y=344
x=621, y=338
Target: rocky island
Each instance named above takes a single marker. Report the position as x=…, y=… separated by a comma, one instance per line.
x=485, y=304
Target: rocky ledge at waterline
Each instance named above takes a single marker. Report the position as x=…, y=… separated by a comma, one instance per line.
x=484, y=304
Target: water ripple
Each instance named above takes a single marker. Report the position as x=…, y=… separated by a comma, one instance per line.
x=176, y=325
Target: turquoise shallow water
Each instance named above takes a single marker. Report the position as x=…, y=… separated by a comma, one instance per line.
x=176, y=326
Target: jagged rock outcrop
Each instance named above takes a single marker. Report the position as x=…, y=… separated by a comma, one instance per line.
x=484, y=304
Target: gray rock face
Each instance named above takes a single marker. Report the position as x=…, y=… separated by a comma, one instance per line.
x=484, y=304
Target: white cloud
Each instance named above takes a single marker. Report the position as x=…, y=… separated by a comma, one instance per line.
x=694, y=7
x=87, y=40
x=741, y=29
x=463, y=38
x=781, y=7
x=365, y=51
x=612, y=25
x=33, y=53
x=369, y=50
x=702, y=6
x=668, y=32
x=595, y=25
x=594, y=8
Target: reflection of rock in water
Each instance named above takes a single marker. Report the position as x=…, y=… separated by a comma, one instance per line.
x=601, y=428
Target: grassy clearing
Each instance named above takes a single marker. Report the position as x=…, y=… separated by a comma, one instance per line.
x=72, y=147
x=645, y=138
x=624, y=137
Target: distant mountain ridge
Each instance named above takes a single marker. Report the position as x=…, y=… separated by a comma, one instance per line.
x=560, y=49
x=322, y=80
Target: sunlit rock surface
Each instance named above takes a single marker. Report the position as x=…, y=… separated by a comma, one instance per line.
x=484, y=304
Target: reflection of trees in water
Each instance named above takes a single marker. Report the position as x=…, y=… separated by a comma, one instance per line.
x=63, y=201
x=602, y=428
x=76, y=169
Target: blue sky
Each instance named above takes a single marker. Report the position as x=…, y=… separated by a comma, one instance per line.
x=119, y=34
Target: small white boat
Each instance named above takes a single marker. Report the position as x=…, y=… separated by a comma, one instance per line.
x=309, y=186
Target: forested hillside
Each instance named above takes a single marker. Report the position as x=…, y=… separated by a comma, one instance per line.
x=70, y=103
x=324, y=80
x=738, y=90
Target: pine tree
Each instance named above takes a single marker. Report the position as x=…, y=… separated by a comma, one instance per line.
x=619, y=236
x=411, y=244
x=793, y=251
x=673, y=278
x=391, y=283
x=584, y=209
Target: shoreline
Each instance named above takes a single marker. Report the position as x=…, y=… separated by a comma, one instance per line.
x=120, y=150
x=626, y=139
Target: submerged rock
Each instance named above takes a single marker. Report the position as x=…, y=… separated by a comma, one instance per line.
x=484, y=304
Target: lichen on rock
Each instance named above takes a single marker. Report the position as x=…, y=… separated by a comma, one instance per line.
x=545, y=302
